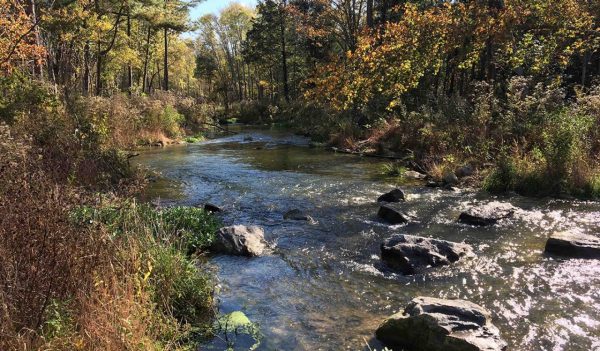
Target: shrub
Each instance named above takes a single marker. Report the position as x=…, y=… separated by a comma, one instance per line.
x=562, y=163
x=179, y=288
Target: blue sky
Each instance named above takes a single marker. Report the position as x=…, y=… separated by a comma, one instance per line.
x=215, y=6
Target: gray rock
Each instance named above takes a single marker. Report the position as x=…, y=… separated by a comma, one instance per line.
x=395, y=195
x=431, y=324
x=450, y=178
x=464, y=171
x=392, y=215
x=573, y=245
x=240, y=240
x=412, y=254
x=486, y=215
x=414, y=175
x=297, y=215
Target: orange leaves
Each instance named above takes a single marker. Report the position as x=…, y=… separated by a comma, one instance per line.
x=17, y=36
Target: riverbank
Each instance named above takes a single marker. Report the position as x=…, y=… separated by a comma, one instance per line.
x=540, y=144
x=84, y=266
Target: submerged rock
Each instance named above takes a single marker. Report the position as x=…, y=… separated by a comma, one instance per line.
x=208, y=207
x=487, y=215
x=297, y=215
x=411, y=254
x=240, y=240
x=431, y=324
x=574, y=245
x=392, y=215
x=395, y=195
x=434, y=184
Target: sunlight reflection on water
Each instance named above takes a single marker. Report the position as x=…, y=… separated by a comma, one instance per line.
x=325, y=287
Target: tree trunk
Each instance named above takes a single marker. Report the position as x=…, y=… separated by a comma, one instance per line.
x=86, y=69
x=99, y=72
x=129, y=68
x=286, y=88
x=584, y=63
x=146, y=59
x=370, y=13
x=166, y=61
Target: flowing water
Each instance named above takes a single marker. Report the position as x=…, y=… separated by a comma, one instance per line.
x=324, y=287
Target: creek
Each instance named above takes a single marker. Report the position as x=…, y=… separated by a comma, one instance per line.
x=324, y=286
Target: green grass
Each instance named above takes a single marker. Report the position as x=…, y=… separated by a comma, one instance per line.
x=189, y=229
x=195, y=138
x=392, y=170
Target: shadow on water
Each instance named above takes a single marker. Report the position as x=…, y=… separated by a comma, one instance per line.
x=324, y=286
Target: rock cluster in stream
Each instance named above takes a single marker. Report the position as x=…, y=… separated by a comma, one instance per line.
x=426, y=323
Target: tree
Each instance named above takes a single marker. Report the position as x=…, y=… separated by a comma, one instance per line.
x=268, y=37
x=173, y=18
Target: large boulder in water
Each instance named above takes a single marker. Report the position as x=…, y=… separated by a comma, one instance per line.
x=395, y=195
x=574, y=245
x=431, y=324
x=392, y=215
x=240, y=240
x=411, y=254
x=486, y=215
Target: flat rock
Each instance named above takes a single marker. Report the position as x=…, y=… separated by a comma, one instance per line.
x=432, y=324
x=414, y=175
x=412, y=254
x=392, y=215
x=240, y=240
x=574, y=245
x=395, y=195
x=486, y=215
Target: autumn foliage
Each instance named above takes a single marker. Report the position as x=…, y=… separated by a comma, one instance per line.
x=447, y=47
x=17, y=36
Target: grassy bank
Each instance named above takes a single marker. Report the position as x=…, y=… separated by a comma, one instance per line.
x=82, y=266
